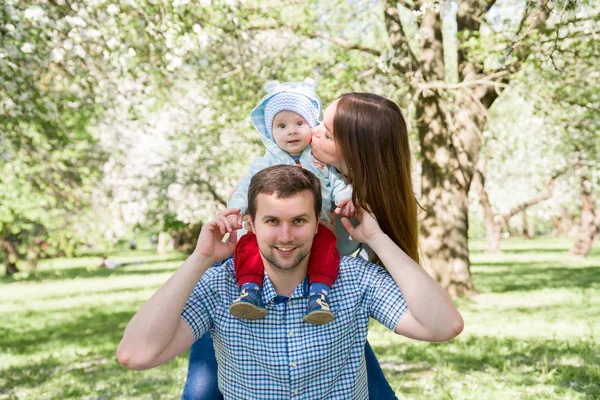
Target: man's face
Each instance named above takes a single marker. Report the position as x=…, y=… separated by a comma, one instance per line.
x=285, y=229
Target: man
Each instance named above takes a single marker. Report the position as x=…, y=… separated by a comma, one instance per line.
x=278, y=357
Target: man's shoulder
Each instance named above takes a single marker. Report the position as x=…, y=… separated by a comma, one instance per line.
x=220, y=273
x=354, y=269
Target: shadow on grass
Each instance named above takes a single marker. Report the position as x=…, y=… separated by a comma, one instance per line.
x=96, y=373
x=574, y=366
x=48, y=275
x=88, y=328
x=76, y=357
x=525, y=250
x=528, y=278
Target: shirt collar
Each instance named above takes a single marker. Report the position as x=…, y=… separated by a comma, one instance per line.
x=269, y=294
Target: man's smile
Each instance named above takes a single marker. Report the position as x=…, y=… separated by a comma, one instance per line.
x=285, y=250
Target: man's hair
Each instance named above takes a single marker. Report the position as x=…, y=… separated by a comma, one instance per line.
x=284, y=181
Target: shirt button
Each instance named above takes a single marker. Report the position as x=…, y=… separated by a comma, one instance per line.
x=294, y=364
x=291, y=333
x=296, y=391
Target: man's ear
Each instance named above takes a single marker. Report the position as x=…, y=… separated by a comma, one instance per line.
x=250, y=222
x=318, y=220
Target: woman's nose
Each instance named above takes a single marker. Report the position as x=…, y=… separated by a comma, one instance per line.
x=315, y=132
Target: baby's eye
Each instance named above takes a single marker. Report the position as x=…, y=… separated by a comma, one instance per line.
x=300, y=123
x=281, y=126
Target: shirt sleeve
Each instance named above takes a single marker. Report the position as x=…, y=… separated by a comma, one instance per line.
x=385, y=301
x=340, y=190
x=196, y=310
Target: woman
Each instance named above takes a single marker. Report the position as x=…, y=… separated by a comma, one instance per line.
x=364, y=136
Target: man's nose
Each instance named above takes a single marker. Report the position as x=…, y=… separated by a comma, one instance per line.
x=286, y=234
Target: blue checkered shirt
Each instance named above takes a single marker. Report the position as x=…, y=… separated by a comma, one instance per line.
x=281, y=356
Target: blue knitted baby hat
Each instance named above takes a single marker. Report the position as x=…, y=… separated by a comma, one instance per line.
x=298, y=97
x=290, y=101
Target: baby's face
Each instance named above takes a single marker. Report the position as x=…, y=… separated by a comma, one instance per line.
x=291, y=132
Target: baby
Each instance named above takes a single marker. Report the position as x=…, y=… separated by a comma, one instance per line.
x=284, y=119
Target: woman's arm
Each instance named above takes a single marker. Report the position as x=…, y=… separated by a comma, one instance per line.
x=431, y=314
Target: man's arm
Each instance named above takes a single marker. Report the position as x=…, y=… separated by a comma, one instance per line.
x=431, y=315
x=157, y=332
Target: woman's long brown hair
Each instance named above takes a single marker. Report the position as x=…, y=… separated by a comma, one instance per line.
x=371, y=133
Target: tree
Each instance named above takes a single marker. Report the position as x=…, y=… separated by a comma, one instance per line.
x=492, y=45
x=496, y=223
x=573, y=106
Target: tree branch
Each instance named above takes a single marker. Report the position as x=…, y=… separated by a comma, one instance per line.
x=487, y=81
x=543, y=195
x=338, y=41
x=398, y=38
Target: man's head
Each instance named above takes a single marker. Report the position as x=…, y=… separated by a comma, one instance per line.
x=284, y=203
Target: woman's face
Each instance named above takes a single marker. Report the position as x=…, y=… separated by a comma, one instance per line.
x=324, y=148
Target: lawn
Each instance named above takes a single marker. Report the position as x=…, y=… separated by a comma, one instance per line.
x=531, y=332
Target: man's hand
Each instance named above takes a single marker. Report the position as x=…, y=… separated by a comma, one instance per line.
x=210, y=242
x=367, y=231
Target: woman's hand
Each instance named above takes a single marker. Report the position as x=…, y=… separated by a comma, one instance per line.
x=368, y=229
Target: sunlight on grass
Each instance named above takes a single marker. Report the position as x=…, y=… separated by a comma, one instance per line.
x=530, y=333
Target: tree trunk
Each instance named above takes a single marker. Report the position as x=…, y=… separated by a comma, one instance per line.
x=493, y=233
x=445, y=224
x=162, y=243
x=588, y=225
x=563, y=224
x=446, y=172
x=527, y=226
x=11, y=256
x=493, y=229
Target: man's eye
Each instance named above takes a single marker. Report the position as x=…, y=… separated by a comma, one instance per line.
x=299, y=220
x=271, y=221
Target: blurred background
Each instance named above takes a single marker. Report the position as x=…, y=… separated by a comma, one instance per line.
x=124, y=126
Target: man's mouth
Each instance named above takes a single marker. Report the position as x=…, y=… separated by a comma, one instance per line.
x=285, y=249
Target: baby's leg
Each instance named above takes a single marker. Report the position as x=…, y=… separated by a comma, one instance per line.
x=249, y=272
x=323, y=268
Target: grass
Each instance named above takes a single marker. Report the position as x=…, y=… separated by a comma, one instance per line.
x=530, y=333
